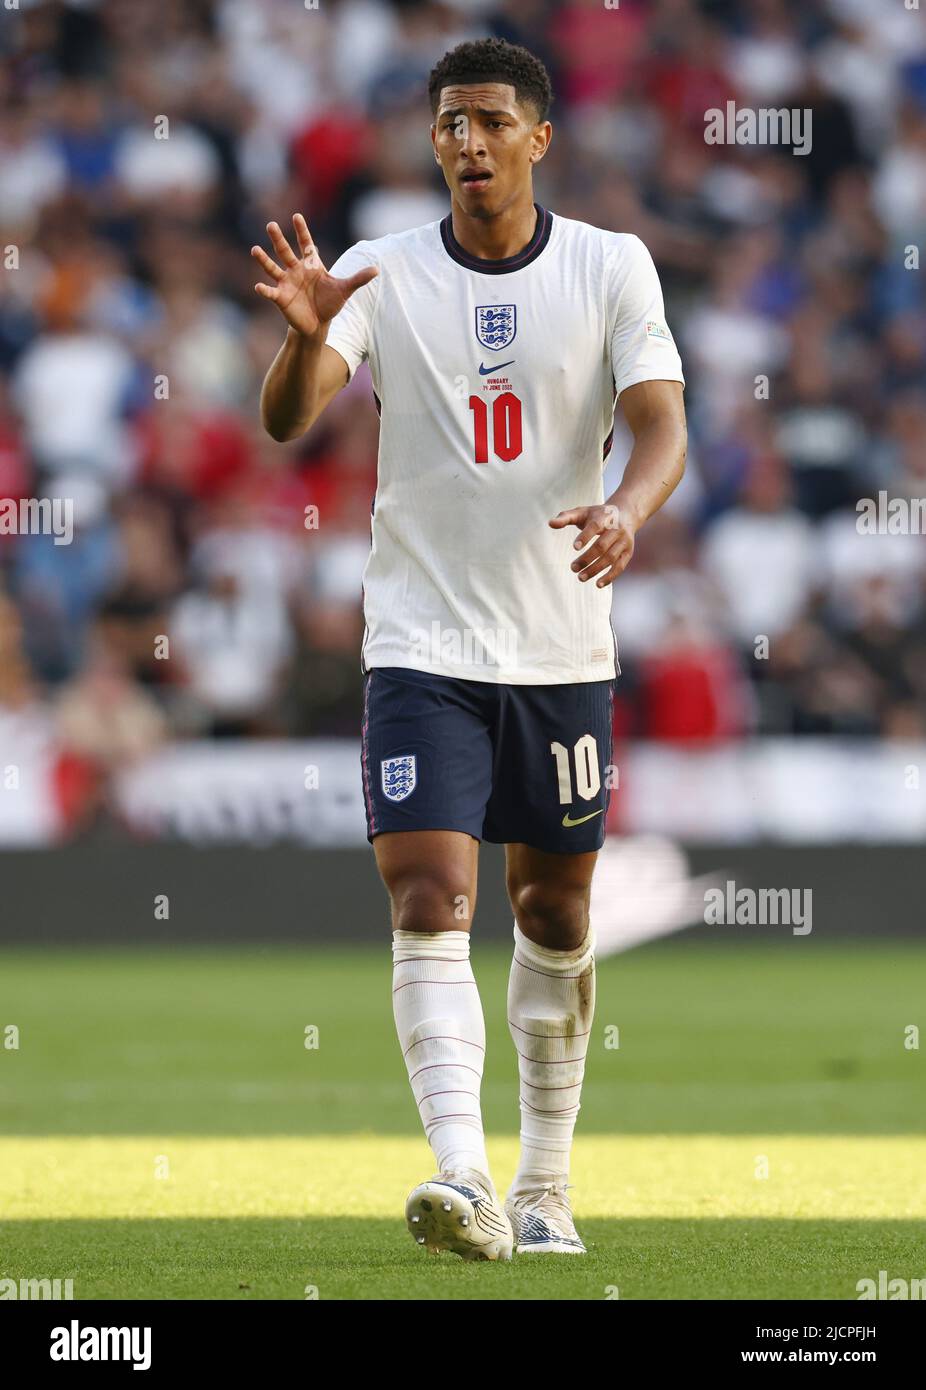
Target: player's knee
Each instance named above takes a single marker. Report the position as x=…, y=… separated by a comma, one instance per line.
x=552, y=915
x=429, y=900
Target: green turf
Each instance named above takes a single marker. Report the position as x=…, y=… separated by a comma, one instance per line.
x=275, y=1178
x=796, y=1038
x=369, y=1260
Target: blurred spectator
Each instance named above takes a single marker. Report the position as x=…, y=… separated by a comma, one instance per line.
x=761, y=555
x=60, y=588
x=691, y=689
x=231, y=638
x=71, y=386
x=105, y=722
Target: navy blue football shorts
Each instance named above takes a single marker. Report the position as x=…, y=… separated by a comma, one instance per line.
x=524, y=764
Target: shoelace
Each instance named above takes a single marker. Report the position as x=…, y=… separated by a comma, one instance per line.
x=551, y=1193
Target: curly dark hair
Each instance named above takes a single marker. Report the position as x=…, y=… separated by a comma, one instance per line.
x=494, y=60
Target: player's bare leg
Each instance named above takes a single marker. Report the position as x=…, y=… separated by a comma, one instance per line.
x=431, y=878
x=551, y=1003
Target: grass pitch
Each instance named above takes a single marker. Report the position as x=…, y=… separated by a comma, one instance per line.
x=759, y=1132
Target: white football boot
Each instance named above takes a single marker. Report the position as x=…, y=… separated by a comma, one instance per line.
x=542, y=1222
x=460, y=1211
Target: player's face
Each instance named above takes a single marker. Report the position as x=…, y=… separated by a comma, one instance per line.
x=486, y=143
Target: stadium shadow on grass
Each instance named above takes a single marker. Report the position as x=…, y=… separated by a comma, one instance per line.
x=347, y=1258
x=717, y=1039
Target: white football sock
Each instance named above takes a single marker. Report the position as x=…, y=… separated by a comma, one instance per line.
x=438, y=1017
x=551, y=1003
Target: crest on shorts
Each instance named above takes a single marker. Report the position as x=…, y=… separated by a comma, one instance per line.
x=399, y=776
x=496, y=325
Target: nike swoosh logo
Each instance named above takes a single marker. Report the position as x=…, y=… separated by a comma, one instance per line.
x=487, y=371
x=567, y=820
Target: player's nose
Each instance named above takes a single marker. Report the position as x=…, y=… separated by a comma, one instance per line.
x=473, y=145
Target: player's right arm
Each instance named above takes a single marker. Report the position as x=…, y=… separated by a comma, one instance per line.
x=306, y=373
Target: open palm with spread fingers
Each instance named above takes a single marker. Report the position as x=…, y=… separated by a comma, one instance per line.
x=303, y=291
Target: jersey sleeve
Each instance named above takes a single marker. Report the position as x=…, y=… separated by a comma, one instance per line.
x=349, y=332
x=642, y=347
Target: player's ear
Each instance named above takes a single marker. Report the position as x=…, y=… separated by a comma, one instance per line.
x=541, y=136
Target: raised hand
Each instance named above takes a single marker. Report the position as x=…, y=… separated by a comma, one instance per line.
x=303, y=291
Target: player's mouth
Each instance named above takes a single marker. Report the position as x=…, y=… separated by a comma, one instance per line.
x=476, y=179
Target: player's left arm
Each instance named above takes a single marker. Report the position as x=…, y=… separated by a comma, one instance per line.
x=655, y=412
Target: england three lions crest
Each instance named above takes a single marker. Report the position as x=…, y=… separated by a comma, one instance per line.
x=496, y=325
x=399, y=776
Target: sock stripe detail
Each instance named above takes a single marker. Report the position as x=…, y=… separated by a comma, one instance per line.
x=549, y=993
x=441, y=1023
x=547, y=1036
x=568, y=1110
x=568, y=1087
x=446, y=960
x=460, y=1066
x=553, y=1062
x=443, y=1037
x=555, y=974
x=462, y=1115
x=432, y=1094
x=551, y=1143
x=434, y=982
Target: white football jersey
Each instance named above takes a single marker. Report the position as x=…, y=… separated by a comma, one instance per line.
x=496, y=383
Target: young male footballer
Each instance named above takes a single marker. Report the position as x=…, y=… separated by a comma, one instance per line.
x=499, y=340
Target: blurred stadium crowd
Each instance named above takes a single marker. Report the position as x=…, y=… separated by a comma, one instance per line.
x=132, y=349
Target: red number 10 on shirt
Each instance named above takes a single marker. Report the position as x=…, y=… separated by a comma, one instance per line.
x=506, y=427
